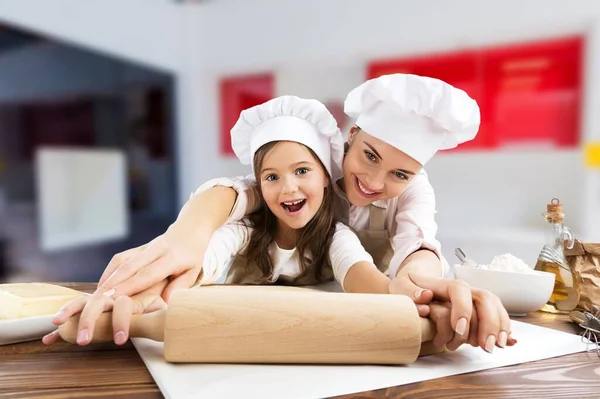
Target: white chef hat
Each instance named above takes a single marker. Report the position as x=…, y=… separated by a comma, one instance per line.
x=290, y=118
x=416, y=114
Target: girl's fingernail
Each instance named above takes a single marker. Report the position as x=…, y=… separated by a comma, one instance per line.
x=83, y=336
x=418, y=293
x=110, y=292
x=461, y=326
x=120, y=338
x=502, y=338
x=490, y=343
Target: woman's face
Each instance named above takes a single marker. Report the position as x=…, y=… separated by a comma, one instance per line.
x=374, y=170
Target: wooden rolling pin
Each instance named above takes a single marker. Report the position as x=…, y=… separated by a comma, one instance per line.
x=221, y=324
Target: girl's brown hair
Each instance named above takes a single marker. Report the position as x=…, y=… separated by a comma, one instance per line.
x=314, y=238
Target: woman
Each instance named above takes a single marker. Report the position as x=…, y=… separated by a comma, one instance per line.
x=401, y=121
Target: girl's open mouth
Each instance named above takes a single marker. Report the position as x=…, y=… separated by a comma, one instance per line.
x=293, y=206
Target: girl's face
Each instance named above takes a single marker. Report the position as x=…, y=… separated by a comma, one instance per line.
x=293, y=183
x=374, y=170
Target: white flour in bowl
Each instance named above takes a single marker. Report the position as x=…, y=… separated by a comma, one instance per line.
x=508, y=263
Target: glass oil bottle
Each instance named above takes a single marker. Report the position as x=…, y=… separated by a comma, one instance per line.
x=565, y=296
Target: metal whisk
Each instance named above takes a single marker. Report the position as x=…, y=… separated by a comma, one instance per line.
x=590, y=322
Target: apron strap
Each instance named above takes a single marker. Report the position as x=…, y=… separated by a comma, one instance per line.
x=376, y=218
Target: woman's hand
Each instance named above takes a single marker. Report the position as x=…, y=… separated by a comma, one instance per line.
x=445, y=336
x=462, y=314
x=177, y=254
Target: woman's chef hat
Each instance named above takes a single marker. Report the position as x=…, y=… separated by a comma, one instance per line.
x=416, y=114
x=290, y=118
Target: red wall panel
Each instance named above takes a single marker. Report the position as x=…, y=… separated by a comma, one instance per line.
x=237, y=94
x=527, y=93
x=534, y=92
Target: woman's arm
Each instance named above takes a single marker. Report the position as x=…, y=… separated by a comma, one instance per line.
x=418, y=267
x=424, y=261
x=225, y=244
x=414, y=241
x=178, y=253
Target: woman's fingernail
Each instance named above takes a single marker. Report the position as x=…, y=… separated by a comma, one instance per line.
x=490, y=343
x=418, y=294
x=120, y=338
x=461, y=326
x=502, y=338
x=110, y=292
x=83, y=336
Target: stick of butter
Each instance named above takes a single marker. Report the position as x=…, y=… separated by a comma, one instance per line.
x=20, y=300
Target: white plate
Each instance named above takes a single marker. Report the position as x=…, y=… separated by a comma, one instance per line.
x=26, y=329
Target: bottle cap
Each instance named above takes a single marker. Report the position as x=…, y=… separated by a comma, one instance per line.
x=554, y=211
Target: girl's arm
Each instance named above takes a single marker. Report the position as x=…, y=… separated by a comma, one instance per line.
x=365, y=278
x=352, y=265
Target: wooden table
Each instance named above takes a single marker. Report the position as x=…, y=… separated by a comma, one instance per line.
x=34, y=370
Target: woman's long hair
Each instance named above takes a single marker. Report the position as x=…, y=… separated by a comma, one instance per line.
x=315, y=238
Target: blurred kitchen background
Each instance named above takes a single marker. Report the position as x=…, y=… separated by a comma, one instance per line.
x=112, y=112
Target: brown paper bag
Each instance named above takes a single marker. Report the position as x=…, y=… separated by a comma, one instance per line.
x=584, y=260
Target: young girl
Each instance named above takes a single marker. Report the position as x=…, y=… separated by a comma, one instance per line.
x=292, y=238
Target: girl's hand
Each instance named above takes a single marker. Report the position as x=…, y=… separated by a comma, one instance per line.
x=92, y=306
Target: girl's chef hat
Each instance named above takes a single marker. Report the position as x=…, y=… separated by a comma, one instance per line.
x=416, y=114
x=290, y=118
